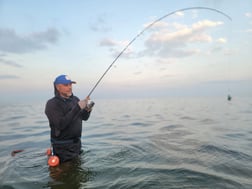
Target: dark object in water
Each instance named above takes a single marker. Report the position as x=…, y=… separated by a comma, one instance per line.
x=229, y=98
x=14, y=152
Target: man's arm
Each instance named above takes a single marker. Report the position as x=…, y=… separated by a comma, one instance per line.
x=56, y=116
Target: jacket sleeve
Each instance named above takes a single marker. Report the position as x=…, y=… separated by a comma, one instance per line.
x=56, y=116
x=85, y=114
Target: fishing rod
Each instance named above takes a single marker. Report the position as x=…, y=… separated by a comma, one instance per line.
x=53, y=160
x=146, y=28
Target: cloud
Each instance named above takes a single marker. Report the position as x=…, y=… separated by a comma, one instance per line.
x=116, y=47
x=100, y=25
x=248, y=14
x=173, y=43
x=10, y=63
x=108, y=42
x=179, y=13
x=3, y=77
x=222, y=40
x=11, y=42
x=170, y=40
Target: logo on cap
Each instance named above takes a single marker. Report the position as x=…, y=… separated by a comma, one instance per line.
x=67, y=77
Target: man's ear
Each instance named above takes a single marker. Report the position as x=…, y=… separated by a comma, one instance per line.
x=57, y=87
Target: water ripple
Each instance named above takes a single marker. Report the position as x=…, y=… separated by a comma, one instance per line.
x=222, y=151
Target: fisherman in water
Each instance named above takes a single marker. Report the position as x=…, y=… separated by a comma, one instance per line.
x=65, y=113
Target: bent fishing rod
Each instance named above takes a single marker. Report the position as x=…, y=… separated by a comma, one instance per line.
x=146, y=28
x=14, y=152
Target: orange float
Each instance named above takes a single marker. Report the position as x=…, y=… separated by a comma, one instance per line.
x=53, y=161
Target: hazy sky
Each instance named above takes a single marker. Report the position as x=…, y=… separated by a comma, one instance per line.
x=193, y=52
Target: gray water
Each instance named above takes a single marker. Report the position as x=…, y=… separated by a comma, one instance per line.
x=140, y=143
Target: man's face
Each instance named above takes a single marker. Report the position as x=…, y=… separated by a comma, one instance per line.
x=65, y=90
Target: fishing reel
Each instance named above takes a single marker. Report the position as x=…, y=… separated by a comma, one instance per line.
x=90, y=105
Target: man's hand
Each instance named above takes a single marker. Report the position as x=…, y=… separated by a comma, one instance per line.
x=83, y=103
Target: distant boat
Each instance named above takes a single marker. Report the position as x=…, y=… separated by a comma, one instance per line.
x=229, y=97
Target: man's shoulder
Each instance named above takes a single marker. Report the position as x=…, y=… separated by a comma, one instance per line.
x=56, y=99
x=52, y=100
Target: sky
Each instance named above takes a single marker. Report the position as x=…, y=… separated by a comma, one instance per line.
x=189, y=53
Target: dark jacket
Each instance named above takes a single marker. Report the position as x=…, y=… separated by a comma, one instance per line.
x=65, y=117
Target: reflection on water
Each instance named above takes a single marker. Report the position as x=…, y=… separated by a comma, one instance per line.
x=69, y=175
x=144, y=143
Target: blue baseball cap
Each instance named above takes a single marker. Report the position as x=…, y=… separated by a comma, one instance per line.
x=63, y=79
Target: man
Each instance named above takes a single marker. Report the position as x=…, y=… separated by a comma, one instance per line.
x=65, y=113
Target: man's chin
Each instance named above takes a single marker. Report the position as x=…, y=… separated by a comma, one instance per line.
x=67, y=95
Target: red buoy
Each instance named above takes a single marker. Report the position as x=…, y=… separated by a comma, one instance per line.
x=53, y=161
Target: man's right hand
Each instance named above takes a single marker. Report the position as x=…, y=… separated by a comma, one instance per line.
x=83, y=103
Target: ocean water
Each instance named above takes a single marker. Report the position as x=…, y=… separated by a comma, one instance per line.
x=135, y=143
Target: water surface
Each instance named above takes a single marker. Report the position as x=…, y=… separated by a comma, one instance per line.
x=140, y=143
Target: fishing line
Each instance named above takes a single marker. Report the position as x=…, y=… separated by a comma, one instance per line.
x=146, y=28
